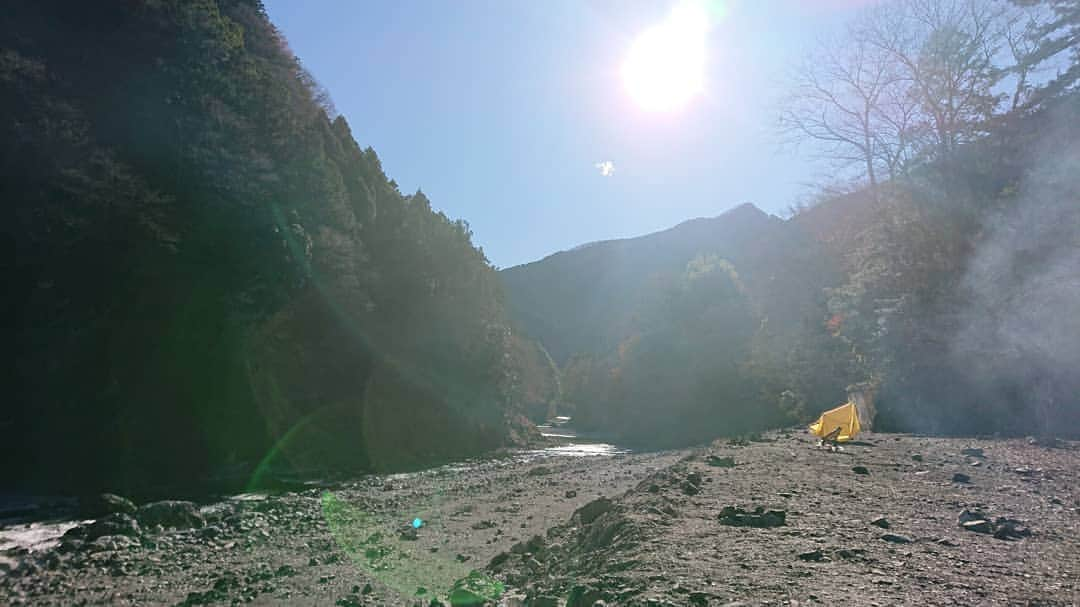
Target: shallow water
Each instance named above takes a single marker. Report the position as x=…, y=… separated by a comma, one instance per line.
x=576, y=445
x=580, y=450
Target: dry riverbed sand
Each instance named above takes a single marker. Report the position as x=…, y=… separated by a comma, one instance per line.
x=777, y=522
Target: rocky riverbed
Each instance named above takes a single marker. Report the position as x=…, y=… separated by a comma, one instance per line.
x=891, y=520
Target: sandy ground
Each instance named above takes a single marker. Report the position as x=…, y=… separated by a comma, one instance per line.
x=661, y=540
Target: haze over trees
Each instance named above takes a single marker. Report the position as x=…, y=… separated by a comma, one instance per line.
x=946, y=276
x=909, y=81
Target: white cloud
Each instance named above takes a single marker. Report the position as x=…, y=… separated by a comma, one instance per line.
x=607, y=168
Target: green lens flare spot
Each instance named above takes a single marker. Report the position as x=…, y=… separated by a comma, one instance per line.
x=475, y=589
x=372, y=545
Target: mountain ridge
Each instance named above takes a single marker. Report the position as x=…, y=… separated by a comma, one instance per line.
x=742, y=207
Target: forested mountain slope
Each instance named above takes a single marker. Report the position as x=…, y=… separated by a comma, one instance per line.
x=586, y=299
x=674, y=335
x=205, y=271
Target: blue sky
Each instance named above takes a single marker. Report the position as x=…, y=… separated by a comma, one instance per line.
x=500, y=111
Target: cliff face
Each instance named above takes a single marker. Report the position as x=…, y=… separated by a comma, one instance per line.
x=209, y=273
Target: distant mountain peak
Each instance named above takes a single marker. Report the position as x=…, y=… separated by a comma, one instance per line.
x=745, y=212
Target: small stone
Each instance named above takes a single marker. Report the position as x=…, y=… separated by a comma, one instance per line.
x=720, y=462
x=737, y=517
x=971, y=515
x=514, y=600
x=112, y=543
x=978, y=526
x=897, y=539
x=917, y=457
x=570, y=493
x=1010, y=529
x=536, y=543
x=880, y=521
x=960, y=477
x=860, y=470
x=813, y=555
x=498, y=559
x=973, y=452
x=583, y=596
x=539, y=471
x=170, y=514
x=850, y=553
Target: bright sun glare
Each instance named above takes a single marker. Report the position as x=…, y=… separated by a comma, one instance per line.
x=665, y=67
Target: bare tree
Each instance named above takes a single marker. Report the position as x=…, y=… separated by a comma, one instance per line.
x=945, y=51
x=847, y=101
x=1022, y=38
x=1049, y=41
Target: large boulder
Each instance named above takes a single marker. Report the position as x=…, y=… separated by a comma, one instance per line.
x=117, y=523
x=589, y=512
x=97, y=506
x=172, y=514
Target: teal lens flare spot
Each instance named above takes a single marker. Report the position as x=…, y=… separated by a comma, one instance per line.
x=417, y=523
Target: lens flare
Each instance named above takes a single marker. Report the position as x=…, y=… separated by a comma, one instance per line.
x=665, y=67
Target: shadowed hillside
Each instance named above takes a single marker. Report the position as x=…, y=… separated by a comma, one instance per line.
x=209, y=273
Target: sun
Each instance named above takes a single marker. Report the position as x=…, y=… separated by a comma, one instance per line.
x=665, y=67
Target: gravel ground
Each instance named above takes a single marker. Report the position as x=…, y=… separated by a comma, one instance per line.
x=310, y=547
x=876, y=524
x=776, y=522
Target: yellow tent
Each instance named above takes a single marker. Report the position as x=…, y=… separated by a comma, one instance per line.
x=844, y=417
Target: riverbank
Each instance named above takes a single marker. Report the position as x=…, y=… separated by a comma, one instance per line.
x=777, y=522
x=300, y=547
